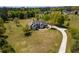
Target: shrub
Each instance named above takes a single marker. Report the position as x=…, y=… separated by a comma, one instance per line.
x=2, y=29
x=2, y=42
x=5, y=47
x=27, y=31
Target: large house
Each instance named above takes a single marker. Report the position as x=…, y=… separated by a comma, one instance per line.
x=37, y=24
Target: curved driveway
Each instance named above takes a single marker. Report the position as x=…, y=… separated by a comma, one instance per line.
x=62, y=48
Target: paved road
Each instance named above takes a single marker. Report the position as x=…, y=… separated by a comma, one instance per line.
x=62, y=48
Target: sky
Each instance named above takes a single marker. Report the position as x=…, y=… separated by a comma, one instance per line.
x=36, y=3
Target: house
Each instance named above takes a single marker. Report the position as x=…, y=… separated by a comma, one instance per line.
x=71, y=12
x=67, y=12
x=37, y=24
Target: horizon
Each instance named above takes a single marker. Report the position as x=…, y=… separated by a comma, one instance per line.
x=30, y=6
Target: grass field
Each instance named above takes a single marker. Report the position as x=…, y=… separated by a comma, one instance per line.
x=74, y=24
x=69, y=42
x=39, y=41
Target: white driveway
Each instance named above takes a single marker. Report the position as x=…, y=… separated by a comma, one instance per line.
x=62, y=48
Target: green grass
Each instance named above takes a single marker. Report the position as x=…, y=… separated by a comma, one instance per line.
x=69, y=42
x=74, y=24
x=39, y=41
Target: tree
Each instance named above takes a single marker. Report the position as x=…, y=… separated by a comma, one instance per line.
x=2, y=29
x=30, y=14
x=66, y=21
x=4, y=17
x=4, y=14
x=21, y=16
x=46, y=17
x=60, y=21
x=75, y=36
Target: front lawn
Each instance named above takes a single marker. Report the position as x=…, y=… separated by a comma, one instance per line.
x=39, y=41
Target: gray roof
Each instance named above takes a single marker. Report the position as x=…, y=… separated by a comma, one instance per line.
x=38, y=24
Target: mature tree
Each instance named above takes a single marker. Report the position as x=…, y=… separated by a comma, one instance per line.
x=30, y=14
x=60, y=21
x=21, y=15
x=4, y=14
x=57, y=18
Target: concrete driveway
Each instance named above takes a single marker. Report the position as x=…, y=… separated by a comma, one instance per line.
x=62, y=48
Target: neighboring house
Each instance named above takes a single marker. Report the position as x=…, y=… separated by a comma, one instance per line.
x=38, y=25
x=67, y=12
x=71, y=12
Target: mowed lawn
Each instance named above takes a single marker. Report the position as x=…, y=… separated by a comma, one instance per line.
x=40, y=40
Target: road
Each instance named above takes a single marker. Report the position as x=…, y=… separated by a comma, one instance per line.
x=62, y=48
